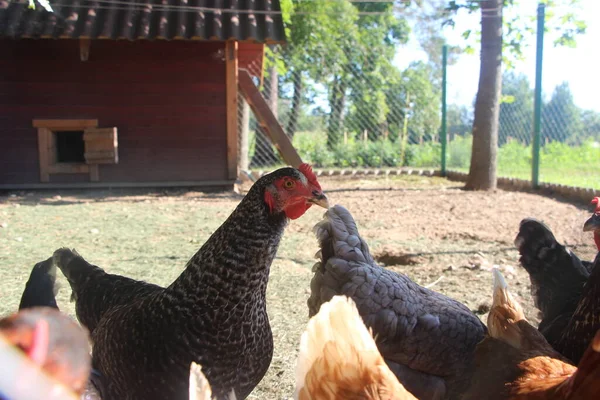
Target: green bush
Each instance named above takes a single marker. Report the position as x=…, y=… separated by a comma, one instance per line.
x=559, y=162
x=459, y=152
x=346, y=155
x=427, y=154
x=381, y=153
x=312, y=147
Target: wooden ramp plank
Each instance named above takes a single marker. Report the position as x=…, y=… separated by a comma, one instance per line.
x=267, y=119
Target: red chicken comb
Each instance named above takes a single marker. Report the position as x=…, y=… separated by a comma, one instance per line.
x=306, y=169
x=596, y=202
x=38, y=352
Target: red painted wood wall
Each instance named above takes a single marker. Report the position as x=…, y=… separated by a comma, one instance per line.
x=167, y=100
x=250, y=57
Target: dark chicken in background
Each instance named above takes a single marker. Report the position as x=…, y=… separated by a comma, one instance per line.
x=427, y=339
x=564, y=288
x=40, y=289
x=146, y=336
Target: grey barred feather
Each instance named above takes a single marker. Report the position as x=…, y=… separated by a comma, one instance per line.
x=214, y=313
x=428, y=339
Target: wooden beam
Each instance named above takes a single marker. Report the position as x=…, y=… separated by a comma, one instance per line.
x=69, y=168
x=65, y=124
x=267, y=119
x=262, y=63
x=43, y=139
x=231, y=70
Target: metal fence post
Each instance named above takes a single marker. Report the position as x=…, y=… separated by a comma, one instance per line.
x=444, y=133
x=537, y=111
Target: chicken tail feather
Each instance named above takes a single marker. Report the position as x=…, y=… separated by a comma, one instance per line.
x=339, y=242
x=41, y=288
x=505, y=313
x=77, y=270
x=339, y=358
x=200, y=387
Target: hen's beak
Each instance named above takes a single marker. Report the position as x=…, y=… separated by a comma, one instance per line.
x=592, y=224
x=319, y=199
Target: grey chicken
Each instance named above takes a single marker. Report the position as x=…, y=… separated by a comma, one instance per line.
x=427, y=339
x=146, y=336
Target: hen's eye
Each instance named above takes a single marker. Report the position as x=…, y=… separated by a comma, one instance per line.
x=288, y=184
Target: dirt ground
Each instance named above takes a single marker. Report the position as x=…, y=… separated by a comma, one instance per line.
x=427, y=228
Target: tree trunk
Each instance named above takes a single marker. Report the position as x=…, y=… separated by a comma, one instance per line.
x=244, y=133
x=482, y=174
x=337, y=103
x=264, y=154
x=296, y=103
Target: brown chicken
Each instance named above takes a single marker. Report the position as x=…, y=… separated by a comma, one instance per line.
x=515, y=362
x=339, y=359
x=53, y=342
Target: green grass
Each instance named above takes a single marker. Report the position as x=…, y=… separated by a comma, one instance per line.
x=559, y=162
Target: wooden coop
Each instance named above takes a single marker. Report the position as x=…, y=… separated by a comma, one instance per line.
x=112, y=96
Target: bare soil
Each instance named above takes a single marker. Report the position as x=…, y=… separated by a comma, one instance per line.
x=427, y=228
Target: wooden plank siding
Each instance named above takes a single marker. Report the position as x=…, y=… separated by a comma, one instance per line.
x=167, y=100
x=251, y=57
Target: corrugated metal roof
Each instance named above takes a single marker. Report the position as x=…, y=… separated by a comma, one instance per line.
x=244, y=20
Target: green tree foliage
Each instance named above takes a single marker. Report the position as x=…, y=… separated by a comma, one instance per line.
x=561, y=118
x=332, y=45
x=500, y=32
x=363, y=79
x=591, y=121
x=516, y=109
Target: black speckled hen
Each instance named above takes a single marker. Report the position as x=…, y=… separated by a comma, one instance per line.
x=145, y=336
x=427, y=339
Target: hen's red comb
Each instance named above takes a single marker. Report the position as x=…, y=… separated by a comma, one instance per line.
x=306, y=169
x=38, y=351
x=596, y=202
